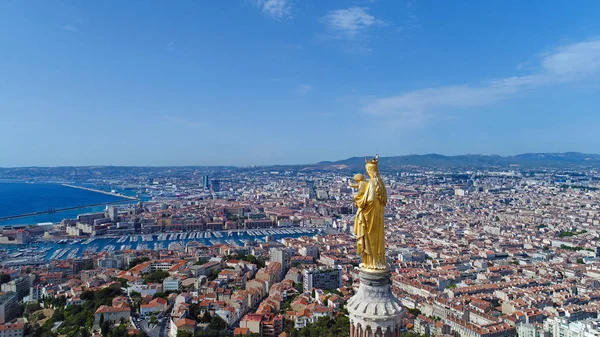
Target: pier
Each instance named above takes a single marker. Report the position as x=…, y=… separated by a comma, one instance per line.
x=53, y=210
x=57, y=210
x=100, y=191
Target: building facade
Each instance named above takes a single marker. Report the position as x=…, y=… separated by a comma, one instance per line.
x=12, y=330
x=8, y=307
x=322, y=279
x=562, y=327
x=281, y=255
x=20, y=286
x=171, y=284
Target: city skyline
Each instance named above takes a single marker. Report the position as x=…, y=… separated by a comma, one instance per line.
x=470, y=253
x=287, y=82
x=549, y=159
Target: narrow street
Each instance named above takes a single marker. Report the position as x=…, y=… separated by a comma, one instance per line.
x=158, y=331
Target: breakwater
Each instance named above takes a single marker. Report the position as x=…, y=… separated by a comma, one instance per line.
x=101, y=191
x=57, y=210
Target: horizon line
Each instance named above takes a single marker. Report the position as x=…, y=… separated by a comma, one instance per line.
x=319, y=162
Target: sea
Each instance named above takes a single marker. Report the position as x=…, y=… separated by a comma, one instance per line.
x=18, y=198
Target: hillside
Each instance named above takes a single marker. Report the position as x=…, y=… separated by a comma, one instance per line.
x=568, y=159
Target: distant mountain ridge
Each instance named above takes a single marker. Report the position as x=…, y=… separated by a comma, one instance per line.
x=565, y=160
x=476, y=160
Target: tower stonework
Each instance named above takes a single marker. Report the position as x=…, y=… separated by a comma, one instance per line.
x=374, y=311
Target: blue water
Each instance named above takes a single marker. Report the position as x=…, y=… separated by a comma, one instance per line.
x=22, y=198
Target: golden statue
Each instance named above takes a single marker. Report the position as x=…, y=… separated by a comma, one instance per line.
x=370, y=200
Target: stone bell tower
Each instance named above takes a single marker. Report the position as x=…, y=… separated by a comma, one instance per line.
x=374, y=311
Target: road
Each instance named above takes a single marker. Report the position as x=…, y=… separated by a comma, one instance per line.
x=158, y=331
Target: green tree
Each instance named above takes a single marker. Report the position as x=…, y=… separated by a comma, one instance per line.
x=87, y=295
x=4, y=278
x=120, y=331
x=58, y=316
x=206, y=317
x=31, y=308
x=213, y=274
x=156, y=276
x=414, y=311
x=217, y=323
x=164, y=295
x=105, y=328
x=194, y=311
x=182, y=333
x=123, y=282
x=83, y=332
x=327, y=327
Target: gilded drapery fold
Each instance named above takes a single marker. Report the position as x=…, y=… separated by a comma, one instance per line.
x=369, y=222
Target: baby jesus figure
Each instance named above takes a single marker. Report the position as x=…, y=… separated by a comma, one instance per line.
x=360, y=185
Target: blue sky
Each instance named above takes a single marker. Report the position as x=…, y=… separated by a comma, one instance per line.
x=254, y=82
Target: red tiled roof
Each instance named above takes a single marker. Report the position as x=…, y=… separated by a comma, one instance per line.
x=14, y=326
x=241, y=331
x=185, y=321
x=106, y=309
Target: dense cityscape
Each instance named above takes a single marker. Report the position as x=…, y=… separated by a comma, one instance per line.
x=493, y=251
x=299, y=168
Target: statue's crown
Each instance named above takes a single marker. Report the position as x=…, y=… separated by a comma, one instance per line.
x=372, y=162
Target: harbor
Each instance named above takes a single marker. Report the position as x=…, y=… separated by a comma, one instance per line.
x=42, y=251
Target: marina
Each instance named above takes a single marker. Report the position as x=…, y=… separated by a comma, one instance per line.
x=42, y=251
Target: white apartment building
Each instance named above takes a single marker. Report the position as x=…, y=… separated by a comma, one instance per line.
x=561, y=327
x=171, y=284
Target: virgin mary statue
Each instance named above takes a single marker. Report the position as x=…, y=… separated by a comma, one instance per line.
x=368, y=226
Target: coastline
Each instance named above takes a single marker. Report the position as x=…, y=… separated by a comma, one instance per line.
x=51, y=213
x=12, y=217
